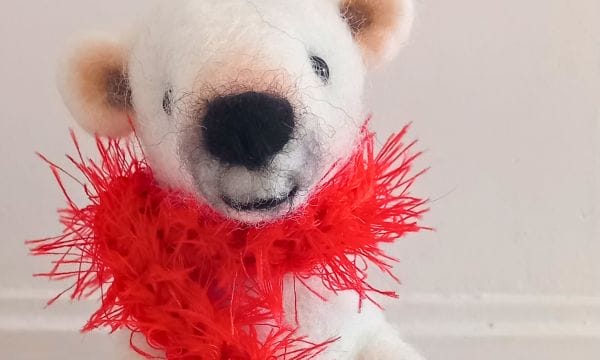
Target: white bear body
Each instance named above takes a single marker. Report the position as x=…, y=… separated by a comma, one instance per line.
x=363, y=335
x=184, y=54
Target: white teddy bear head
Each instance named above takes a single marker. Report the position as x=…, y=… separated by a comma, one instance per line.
x=246, y=103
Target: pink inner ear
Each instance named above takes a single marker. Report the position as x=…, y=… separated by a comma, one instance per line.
x=358, y=15
x=96, y=89
x=118, y=92
x=99, y=74
x=374, y=23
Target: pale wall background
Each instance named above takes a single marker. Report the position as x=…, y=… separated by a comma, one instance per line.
x=504, y=95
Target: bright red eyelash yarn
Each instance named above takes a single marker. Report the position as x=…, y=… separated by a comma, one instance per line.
x=199, y=286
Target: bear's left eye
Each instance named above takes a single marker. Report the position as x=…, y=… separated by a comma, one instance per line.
x=320, y=68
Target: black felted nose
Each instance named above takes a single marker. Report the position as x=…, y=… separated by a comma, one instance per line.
x=247, y=129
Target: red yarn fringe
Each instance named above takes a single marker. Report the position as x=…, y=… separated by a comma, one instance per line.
x=200, y=286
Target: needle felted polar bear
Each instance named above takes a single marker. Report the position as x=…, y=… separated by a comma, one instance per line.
x=248, y=104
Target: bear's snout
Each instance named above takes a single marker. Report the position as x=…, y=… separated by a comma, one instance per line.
x=247, y=129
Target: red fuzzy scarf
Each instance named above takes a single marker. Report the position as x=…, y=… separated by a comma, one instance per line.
x=197, y=285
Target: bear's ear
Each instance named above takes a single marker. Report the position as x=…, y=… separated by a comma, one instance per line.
x=95, y=87
x=380, y=27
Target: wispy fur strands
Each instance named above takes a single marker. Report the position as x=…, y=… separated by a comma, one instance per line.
x=200, y=286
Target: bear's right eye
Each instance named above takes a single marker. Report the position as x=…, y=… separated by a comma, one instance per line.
x=168, y=102
x=320, y=68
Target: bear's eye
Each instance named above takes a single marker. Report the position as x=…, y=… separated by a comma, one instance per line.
x=168, y=102
x=320, y=68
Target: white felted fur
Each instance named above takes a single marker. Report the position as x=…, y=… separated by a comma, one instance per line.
x=199, y=49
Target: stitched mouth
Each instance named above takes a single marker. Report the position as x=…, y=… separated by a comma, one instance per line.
x=261, y=204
